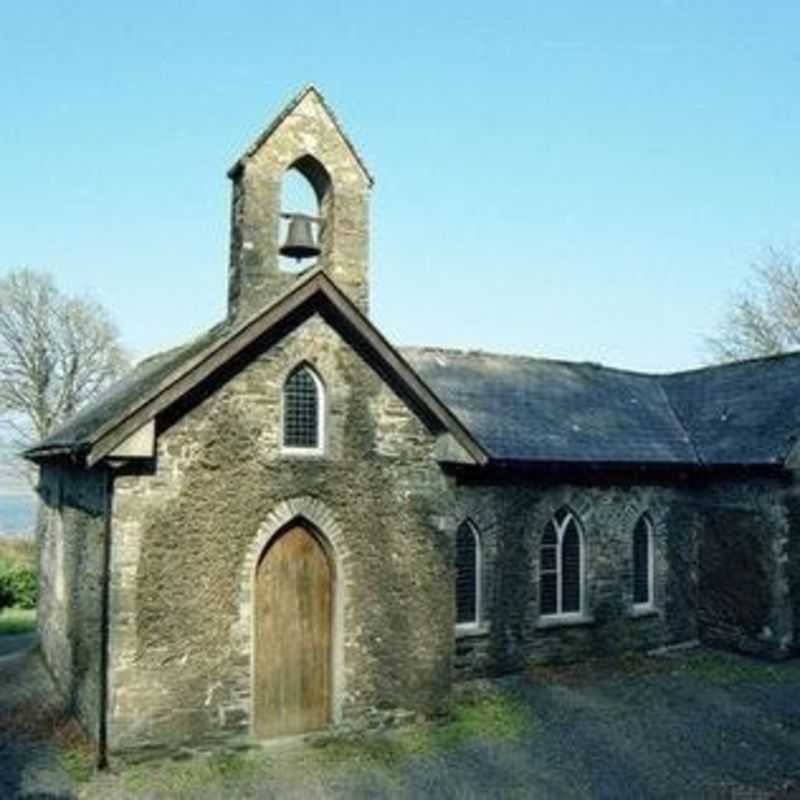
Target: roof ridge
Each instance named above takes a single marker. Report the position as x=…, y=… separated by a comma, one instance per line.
x=658, y=376
x=792, y=354
x=433, y=349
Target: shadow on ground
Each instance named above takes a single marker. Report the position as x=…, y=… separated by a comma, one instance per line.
x=30, y=768
x=695, y=725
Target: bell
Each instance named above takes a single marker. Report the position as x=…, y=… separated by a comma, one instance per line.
x=300, y=241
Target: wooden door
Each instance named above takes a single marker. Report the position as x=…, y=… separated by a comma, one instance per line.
x=294, y=588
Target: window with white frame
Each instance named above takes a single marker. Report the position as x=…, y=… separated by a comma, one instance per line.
x=469, y=568
x=303, y=411
x=643, y=563
x=561, y=568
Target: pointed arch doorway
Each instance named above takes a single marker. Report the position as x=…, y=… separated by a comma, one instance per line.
x=294, y=590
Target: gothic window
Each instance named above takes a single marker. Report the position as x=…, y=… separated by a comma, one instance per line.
x=303, y=411
x=643, y=562
x=468, y=576
x=561, y=566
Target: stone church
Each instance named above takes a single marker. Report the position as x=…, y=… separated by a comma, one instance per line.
x=290, y=524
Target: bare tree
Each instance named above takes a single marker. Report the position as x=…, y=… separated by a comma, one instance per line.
x=764, y=318
x=56, y=353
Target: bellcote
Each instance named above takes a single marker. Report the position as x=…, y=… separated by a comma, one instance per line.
x=303, y=145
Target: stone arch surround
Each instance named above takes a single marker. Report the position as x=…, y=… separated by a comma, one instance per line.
x=315, y=513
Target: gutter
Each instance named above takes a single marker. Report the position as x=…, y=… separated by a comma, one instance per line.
x=74, y=453
x=42, y=453
x=607, y=471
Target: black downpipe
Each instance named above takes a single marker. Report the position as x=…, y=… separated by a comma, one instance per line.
x=105, y=615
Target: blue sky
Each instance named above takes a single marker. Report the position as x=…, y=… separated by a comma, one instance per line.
x=577, y=180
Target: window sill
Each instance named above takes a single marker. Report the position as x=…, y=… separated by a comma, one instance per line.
x=472, y=631
x=644, y=611
x=564, y=621
x=299, y=453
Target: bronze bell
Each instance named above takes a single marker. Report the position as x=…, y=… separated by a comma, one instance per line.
x=300, y=242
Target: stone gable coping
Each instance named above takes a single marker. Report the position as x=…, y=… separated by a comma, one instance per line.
x=339, y=311
x=309, y=89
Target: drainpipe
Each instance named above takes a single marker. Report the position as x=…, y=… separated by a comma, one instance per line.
x=105, y=602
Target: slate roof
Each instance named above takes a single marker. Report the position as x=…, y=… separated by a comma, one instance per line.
x=534, y=410
x=77, y=433
x=540, y=410
x=741, y=413
x=161, y=381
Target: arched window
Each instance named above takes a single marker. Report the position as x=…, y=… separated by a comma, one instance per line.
x=643, y=562
x=468, y=576
x=303, y=411
x=561, y=566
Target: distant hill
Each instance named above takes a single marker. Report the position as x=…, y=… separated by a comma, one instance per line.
x=17, y=501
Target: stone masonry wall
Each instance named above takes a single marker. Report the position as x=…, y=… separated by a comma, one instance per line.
x=791, y=557
x=727, y=569
x=71, y=547
x=745, y=600
x=186, y=537
x=511, y=518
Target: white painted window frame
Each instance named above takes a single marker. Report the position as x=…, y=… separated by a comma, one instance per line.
x=558, y=614
x=321, y=406
x=649, y=605
x=478, y=623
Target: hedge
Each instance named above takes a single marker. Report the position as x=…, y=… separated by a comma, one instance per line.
x=17, y=586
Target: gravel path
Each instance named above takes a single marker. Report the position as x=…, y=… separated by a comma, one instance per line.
x=697, y=726
x=669, y=736
x=29, y=766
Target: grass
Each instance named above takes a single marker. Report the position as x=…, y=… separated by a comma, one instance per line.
x=726, y=669
x=715, y=667
x=15, y=621
x=486, y=716
x=188, y=778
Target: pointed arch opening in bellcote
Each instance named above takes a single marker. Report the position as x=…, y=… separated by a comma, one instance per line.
x=306, y=189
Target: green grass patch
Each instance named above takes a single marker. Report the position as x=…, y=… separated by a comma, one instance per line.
x=715, y=667
x=15, y=621
x=485, y=716
x=78, y=763
x=493, y=716
x=190, y=777
x=723, y=669
x=488, y=716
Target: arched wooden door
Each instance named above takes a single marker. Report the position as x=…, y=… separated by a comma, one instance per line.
x=293, y=597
